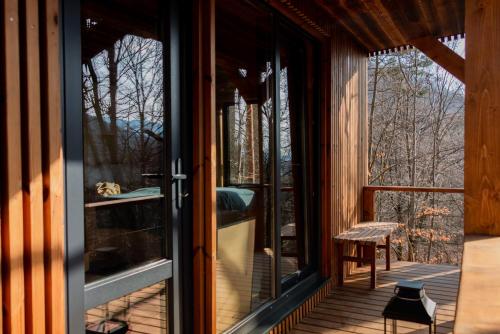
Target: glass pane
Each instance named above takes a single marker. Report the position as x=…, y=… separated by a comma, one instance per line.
x=244, y=160
x=294, y=232
x=143, y=311
x=124, y=135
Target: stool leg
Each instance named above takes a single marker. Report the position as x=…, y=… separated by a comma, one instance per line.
x=435, y=325
x=394, y=327
x=385, y=325
x=359, y=254
x=340, y=263
x=373, y=265
x=388, y=253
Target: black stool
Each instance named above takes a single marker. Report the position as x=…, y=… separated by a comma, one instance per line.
x=410, y=303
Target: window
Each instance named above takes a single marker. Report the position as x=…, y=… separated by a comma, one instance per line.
x=264, y=185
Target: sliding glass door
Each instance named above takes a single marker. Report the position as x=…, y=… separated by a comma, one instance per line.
x=265, y=188
x=244, y=107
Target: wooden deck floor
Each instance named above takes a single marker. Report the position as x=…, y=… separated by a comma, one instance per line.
x=354, y=308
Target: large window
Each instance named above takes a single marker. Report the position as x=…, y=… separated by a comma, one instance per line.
x=263, y=112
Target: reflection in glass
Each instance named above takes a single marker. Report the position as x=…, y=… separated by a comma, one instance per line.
x=294, y=233
x=123, y=118
x=244, y=160
x=143, y=311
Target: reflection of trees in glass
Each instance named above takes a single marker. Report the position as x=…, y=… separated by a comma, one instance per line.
x=287, y=198
x=123, y=112
x=249, y=143
x=244, y=141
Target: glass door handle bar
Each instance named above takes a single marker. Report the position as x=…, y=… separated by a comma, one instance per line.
x=178, y=177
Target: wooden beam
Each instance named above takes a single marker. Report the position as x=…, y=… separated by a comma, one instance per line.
x=13, y=311
x=414, y=189
x=32, y=170
x=482, y=119
x=478, y=306
x=204, y=160
x=299, y=18
x=442, y=55
x=369, y=204
x=358, y=31
x=53, y=175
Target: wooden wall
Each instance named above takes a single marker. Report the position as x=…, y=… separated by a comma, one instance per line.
x=31, y=179
x=204, y=167
x=348, y=129
x=482, y=118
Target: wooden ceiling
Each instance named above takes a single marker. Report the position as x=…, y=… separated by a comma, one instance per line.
x=393, y=24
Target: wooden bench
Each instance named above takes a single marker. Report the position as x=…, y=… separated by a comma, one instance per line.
x=367, y=236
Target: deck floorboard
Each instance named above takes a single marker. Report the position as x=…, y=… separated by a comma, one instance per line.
x=355, y=308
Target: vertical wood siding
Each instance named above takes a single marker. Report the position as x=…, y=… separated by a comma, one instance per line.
x=348, y=130
x=31, y=184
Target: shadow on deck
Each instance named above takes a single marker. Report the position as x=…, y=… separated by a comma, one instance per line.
x=354, y=308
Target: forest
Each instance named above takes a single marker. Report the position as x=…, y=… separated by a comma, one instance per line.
x=416, y=138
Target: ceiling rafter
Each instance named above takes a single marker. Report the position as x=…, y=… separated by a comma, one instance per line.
x=386, y=25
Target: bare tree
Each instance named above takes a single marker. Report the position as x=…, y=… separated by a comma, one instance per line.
x=416, y=139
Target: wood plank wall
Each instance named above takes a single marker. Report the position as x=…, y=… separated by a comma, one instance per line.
x=31, y=184
x=482, y=118
x=348, y=123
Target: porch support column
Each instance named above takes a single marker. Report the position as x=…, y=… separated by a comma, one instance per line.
x=478, y=309
x=482, y=118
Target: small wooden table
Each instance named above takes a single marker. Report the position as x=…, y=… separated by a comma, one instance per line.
x=367, y=236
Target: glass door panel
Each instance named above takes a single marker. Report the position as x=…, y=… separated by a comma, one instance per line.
x=142, y=311
x=127, y=181
x=293, y=165
x=244, y=107
x=124, y=139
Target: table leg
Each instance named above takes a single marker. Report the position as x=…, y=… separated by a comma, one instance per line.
x=394, y=327
x=388, y=253
x=340, y=263
x=359, y=254
x=373, y=266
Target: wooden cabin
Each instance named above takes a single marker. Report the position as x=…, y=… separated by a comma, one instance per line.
x=182, y=166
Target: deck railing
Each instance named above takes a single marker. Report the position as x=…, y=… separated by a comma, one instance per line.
x=369, y=208
x=423, y=227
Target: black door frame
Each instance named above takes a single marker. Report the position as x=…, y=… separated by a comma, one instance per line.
x=79, y=296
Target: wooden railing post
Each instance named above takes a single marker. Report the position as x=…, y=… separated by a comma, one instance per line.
x=368, y=204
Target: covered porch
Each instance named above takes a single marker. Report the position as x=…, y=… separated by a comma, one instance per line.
x=263, y=161
x=355, y=308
